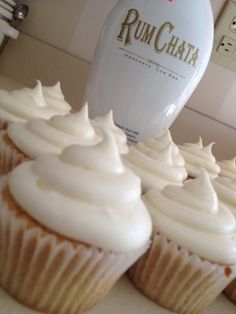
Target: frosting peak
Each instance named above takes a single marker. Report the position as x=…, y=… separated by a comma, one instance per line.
x=26, y=103
x=158, y=162
x=33, y=96
x=54, y=90
x=77, y=124
x=107, y=121
x=199, y=194
x=39, y=136
x=197, y=156
x=105, y=153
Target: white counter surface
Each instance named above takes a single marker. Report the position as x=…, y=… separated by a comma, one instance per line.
x=123, y=299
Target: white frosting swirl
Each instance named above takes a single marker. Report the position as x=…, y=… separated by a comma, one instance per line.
x=55, y=99
x=192, y=217
x=39, y=136
x=226, y=191
x=197, y=156
x=107, y=121
x=228, y=168
x=85, y=194
x=26, y=103
x=158, y=162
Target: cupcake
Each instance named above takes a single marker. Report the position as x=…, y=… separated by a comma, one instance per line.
x=107, y=122
x=76, y=223
x=226, y=191
x=24, y=141
x=26, y=103
x=158, y=162
x=197, y=157
x=193, y=251
x=228, y=168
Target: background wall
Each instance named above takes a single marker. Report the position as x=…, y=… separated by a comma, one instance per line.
x=58, y=41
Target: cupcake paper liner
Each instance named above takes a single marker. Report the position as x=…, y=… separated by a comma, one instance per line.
x=10, y=157
x=3, y=124
x=50, y=273
x=230, y=291
x=178, y=280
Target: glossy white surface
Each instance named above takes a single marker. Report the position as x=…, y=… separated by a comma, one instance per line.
x=123, y=298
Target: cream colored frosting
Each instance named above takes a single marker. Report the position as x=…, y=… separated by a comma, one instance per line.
x=192, y=217
x=158, y=162
x=107, y=121
x=26, y=103
x=197, y=156
x=85, y=194
x=38, y=136
x=228, y=168
x=226, y=191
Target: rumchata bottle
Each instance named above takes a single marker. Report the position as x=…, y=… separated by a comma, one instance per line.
x=149, y=59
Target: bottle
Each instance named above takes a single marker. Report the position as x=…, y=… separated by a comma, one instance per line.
x=150, y=57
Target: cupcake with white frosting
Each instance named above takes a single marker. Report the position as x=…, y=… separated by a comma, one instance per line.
x=228, y=168
x=226, y=191
x=77, y=222
x=26, y=103
x=193, y=253
x=158, y=162
x=197, y=157
x=24, y=141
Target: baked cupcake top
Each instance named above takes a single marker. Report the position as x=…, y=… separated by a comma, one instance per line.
x=107, y=121
x=158, y=162
x=26, y=103
x=197, y=156
x=38, y=136
x=228, y=168
x=226, y=191
x=192, y=217
x=85, y=194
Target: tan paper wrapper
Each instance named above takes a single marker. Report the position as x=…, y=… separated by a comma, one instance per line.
x=230, y=291
x=9, y=156
x=177, y=280
x=3, y=124
x=52, y=275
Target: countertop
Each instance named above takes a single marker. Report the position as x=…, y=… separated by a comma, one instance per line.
x=123, y=298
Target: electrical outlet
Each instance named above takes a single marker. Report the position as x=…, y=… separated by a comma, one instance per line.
x=233, y=25
x=224, y=49
x=227, y=47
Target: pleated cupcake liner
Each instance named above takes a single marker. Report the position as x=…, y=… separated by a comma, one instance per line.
x=3, y=124
x=9, y=156
x=52, y=274
x=230, y=291
x=178, y=280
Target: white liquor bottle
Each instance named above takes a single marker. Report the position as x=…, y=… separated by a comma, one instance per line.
x=150, y=57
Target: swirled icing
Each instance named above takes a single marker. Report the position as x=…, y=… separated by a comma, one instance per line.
x=192, y=217
x=157, y=162
x=197, y=156
x=226, y=191
x=26, y=103
x=85, y=194
x=107, y=121
x=38, y=136
x=228, y=168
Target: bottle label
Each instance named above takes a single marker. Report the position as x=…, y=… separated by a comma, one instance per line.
x=134, y=29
